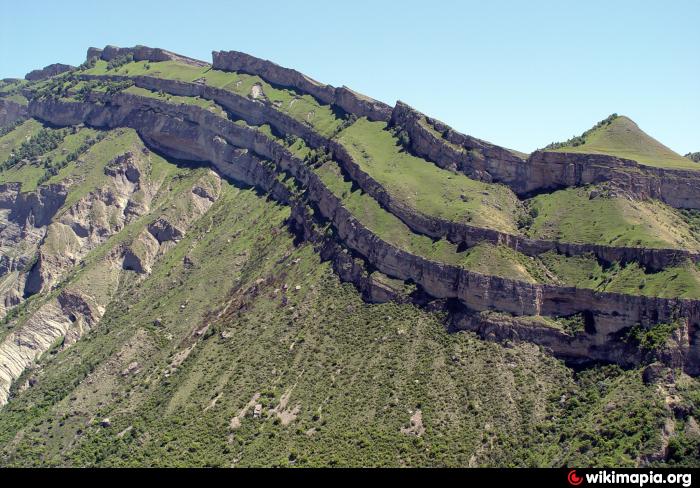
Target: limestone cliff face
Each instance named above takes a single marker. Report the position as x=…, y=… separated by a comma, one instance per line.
x=257, y=112
x=543, y=170
x=343, y=97
x=11, y=112
x=678, y=188
x=48, y=71
x=141, y=53
x=433, y=140
x=191, y=131
x=451, y=150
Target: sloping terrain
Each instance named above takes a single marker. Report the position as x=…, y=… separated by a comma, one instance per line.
x=236, y=265
x=620, y=136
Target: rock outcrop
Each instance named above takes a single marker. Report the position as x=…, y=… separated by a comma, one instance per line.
x=48, y=71
x=345, y=98
x=542, y=170
x=189, y=132
x=141, y=53
x=11, y=112
x=24, y=220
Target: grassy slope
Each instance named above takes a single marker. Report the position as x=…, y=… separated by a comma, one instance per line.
x=29, y=175
x=177, y=100
x=681, y=281
x=356, y=372
x=426, y=187
x=17, y=136
x=484, y=258
x=572, y=216
x=300, y=106
x=87, y=173
x=624, y=139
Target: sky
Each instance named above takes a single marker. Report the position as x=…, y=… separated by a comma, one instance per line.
x=518, y=74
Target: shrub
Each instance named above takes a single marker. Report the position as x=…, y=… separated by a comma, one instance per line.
x=120, y=61
x=44, y=141
x=694, y=156
x=654, y=338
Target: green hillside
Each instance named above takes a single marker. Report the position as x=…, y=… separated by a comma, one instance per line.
x=619, y=136
x=262, y=305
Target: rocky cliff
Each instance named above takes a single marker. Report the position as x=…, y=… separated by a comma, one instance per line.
x=343, y=97
x=543, y=170
x=11, y=112
x=257, y=113
x=48, y=71
x=189, y=132
x=140, y=53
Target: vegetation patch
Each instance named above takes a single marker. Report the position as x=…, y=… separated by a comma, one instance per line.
x=303, y=107
x=599, y=215
x=619, y=136
x=426, y=187
x=654, y=338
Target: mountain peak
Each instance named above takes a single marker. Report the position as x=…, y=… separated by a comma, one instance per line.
x=620, y=136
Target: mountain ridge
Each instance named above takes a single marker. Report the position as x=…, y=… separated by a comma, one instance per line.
x=394, y=202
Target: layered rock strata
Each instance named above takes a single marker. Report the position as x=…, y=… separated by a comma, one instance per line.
x=48, y=71
x=543, y=170
x=343, y=97
x=11, y=112
x=189, y=132
x=141, y=53
x=257, y=113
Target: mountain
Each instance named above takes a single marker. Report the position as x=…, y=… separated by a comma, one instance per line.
x=619, y=136
x=232, y=264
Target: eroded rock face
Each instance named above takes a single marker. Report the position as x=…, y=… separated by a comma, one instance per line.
x=192, y=131
x=67, y=316
x=11, y=112
x=543, y=170
x=582, y=348
x=48, y=71
x=141, y=53
x=165, y=232
x=343, y=97
x=24, y=219
x=91, y=221
x=60, y=321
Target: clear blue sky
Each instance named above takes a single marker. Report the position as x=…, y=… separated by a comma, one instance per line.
x=520, y=74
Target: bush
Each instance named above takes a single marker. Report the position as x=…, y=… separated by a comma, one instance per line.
x=694, y=156
x=52, y=170
x=655, y=338
x=120, y=61
x=90, y=63
x=44, y=141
